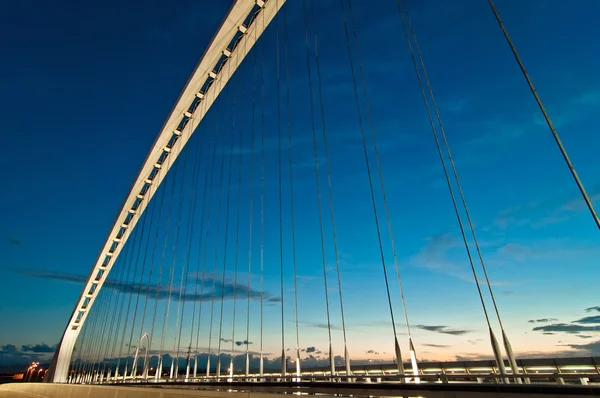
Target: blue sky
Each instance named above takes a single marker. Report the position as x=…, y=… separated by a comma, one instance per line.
x=87, y=87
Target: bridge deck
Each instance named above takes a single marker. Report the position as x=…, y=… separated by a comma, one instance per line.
x=322, y=389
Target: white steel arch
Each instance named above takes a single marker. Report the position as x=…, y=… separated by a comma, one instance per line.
x=233, y=40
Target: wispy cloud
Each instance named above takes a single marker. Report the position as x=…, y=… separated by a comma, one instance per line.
x=593, y=309
x=589, y=319
x=578, y=326
x=437, y=345
x=322, y=325
x=238, y=343
x=221, y=289
x=592, y=349
x=38, y=348
x=567, y=328
x=444, y=330
x=11, y=355
x=542, y=320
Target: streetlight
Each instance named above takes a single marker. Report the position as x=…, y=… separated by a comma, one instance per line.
x=30, y=370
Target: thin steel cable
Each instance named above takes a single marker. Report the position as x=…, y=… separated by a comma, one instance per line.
x=328, y=168
x=77, y=363
x=152, y=260
x=316, y=156
x=540, y=104
x=139, y=288
x=206, y=235
x=117, y=274
x=283, y=357
x=225, y=244
x=212, y=306
x=175, y=360
x=114, y=326
x=127, y=258
x=104, y=336
x=97, y=341
x=174, y=253
x=441, y=156
x=188, y=238
x=155, y=246
x=94, y=330
x=94, y=315
x=237, y=225
x=293, y=228
x=462, y=196
x=134, y=245
x=74, y=365
x=76, y=357
x=250, y=203
x=118, y=304
x=372, y=192
x=379, y=168
x=451, y=159
x=205, y=244
x=101, y=309
x=158, y=372
x=262, y=198
x=197, y=277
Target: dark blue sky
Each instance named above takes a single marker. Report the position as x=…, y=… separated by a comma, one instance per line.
x=87, y=87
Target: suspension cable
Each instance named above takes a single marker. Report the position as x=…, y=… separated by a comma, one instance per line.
x=174, y=262
x=441, y=156
x=316, y=156
x=122, y=295
x=283, y=356
x=540, y=104
x=188, y=242
x=380, y=172
x=495, y=348
x=251, y=207
x=330, y=189
x=205, y=243
x=158, y=372
x=212, y=305
x=368, y=166
x=139, y=287
x=119, y=272
x=262, y=199
x=135, y=241
x=227, y=206
x=237, y=226
x=289, y=141
x=150, y=273
x=197, y=278
x=158, y=287
x=460, y=190
x=175, y=254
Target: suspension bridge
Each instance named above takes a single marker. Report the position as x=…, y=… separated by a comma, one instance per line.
x=200, y=279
